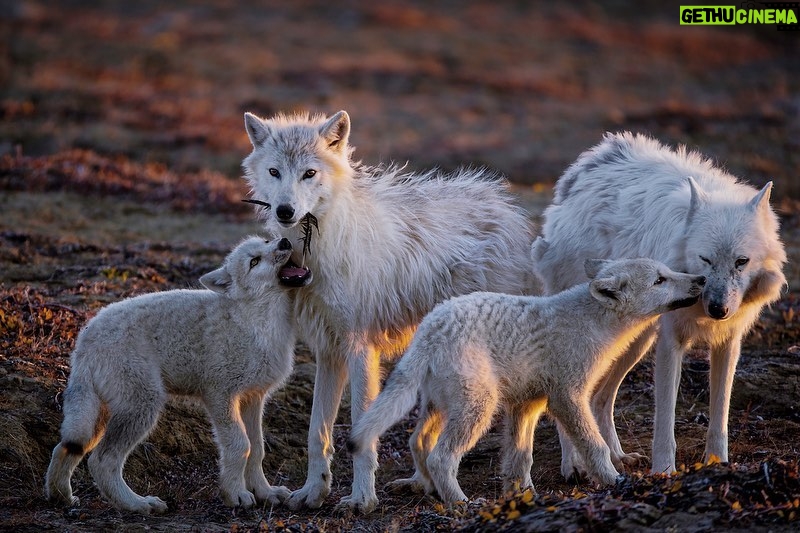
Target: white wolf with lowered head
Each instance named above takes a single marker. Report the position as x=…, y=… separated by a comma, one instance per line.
x=230, y=346
x=390, y=245
x=476, y=354
x=631, y=196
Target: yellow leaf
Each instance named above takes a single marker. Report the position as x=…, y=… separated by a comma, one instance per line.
x=513, y=515
x=736, y=506
x=512, y=505
x=713, y=459
x=527, y=497
x=552, y=508
x=486, y=516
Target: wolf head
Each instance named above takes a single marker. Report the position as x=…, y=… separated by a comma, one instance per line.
x=296, y=163
x=641, y=288
x=255, y=267
x=734, y=243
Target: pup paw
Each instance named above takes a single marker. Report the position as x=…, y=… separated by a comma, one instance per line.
x=273, y=495
x=627, y=459
x=239, y=498
x=311, y=496
x=407, y=485
x=363, y=504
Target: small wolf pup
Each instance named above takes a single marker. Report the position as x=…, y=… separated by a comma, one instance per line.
x=475, y=353
x=230, y=346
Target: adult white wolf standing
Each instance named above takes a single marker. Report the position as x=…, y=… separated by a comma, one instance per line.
x=390, y=246
x=630, y=196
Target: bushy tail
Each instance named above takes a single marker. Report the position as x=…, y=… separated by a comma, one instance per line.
x=79, y=434
x=393, y=403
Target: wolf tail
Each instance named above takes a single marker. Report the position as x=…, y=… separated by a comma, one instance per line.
x=80, y=432
x=393, y=403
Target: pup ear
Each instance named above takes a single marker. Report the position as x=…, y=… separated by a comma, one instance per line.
x=218, y=280
x=697, y=200
x=257, y=129
x=592, y=267
x=336, y=130
x=606, y=291
x=760, y=201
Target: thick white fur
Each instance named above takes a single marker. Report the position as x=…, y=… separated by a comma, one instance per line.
x=391, y=245
x=476, y=353
x=630, y=196
x=230, y=346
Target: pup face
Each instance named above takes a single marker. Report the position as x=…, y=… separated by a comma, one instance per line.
x=731, y=246
x=254, y=267
x=295, y=164
x=642, y=288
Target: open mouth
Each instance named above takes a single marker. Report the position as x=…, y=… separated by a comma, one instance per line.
x=686, y=302
x=293, y=275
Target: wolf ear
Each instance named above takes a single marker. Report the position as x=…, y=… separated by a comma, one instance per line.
x=218, y=280
x=606, y=291
x=336, y=130
x=592, y=267
x=760, y=201
x=698, y=198
x=257, y=129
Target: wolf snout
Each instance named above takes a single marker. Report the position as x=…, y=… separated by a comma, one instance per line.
x=285, y=213
x=284, y=244
x=717, y=310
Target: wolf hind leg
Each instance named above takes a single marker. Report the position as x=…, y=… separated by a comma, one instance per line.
x=425, y=436
x=128, y=426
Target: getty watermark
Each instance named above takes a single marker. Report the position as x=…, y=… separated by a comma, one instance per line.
x=783, y=14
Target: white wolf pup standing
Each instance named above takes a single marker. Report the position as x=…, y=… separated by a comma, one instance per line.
x=230, y=346
x=390, y=246
x=630, y=196
x=476, y=353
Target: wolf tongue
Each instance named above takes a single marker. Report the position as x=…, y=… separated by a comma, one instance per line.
x=292, y=272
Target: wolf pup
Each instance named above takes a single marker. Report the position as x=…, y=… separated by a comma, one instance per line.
x=230, y=346
x=477, y=353
x=631, y=196
x=389, y=246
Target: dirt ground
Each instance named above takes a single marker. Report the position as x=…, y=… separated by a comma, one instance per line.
x=120, y=144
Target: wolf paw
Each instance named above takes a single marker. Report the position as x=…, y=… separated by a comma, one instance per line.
x=240, y=498
x=147, y=505
x=364, y=504
x=627, y=459
x=407, y=485
x=310, y=496
x=273, y=495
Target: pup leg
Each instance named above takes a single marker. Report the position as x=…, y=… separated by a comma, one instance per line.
x=468, y=418
x=364, y=388
x=234, y=450
x=520, y=424
x=670, y=349
x=606, y=394
x=129, y=424
x=252, y=413
x=422, y=441
x=328, y=386
x=576, y=418
x=723, y=366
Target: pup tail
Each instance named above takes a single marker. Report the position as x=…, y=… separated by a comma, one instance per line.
x=80, y=432
x=395, y=401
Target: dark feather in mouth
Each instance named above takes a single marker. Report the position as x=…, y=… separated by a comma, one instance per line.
x=293, y=275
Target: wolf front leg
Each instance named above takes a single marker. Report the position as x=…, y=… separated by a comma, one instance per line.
x=670, y=349
x=364, y=388
x=328, y=386
x=724, y=359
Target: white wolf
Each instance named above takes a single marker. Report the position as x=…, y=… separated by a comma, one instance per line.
x=632, y=197
x=482, y=351
x=390, y=246
x=230, y=346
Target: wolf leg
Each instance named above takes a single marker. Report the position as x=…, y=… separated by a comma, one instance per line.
x=328, y=386
x=520, y=424
x=252, y=413
x=234, y=449
x=422, y=441
x=723, y=366
x=364, y=388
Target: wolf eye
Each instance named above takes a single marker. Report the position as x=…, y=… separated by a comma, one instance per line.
x=274, y=172
x=705, y=260
x=254, y=261
x=310, y=173
x=660, y=280
x=742, y=261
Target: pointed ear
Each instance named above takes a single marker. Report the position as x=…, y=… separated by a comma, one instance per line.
x=592, y=267
x=257, y=129
x=606, y=291
x=760, y=201
x=218, y=280
x=698, y=198
x=336, y=131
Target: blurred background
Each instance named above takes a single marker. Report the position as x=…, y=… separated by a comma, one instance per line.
x=522, y=87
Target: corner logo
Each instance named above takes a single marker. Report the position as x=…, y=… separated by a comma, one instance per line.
x=783, y=14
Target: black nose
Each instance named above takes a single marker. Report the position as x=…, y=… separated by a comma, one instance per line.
x=717, y=311
x=284, y=212
x=284, y=244
x=700, y=280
